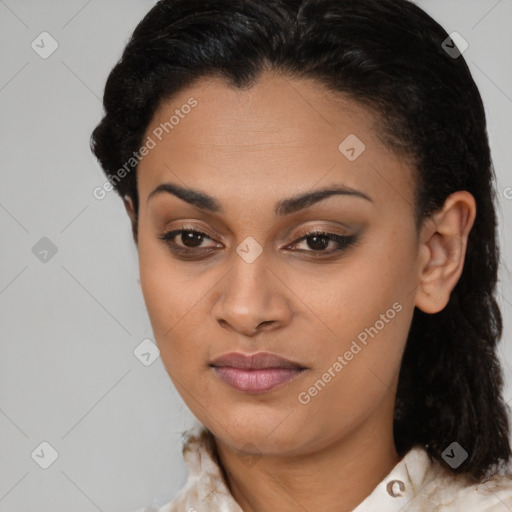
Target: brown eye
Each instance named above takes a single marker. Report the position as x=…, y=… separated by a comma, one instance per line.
x=318, y=242
x=189, y=242
x=190, y=239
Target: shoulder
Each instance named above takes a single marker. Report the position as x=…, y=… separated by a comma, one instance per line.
x=421, y=483
x=454, y=493
x=493, y=495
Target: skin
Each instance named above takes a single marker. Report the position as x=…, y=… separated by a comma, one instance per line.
x=249, y=149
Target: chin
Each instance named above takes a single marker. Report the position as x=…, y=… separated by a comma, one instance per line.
x=268, y=435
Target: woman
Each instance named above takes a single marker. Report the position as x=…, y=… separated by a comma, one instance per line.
x=310, y=189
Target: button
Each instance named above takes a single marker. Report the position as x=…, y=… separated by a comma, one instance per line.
x=395, y=488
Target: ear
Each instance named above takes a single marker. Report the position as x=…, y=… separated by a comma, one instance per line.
x=128, y=204
x=443, y=242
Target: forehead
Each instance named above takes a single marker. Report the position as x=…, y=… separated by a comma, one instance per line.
x=260, y=141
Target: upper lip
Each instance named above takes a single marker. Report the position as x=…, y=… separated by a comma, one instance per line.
x=254, y=361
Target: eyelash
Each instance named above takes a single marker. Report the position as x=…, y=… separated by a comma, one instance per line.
x=344, y=242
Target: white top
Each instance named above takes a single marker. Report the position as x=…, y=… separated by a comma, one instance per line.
x=415, y=484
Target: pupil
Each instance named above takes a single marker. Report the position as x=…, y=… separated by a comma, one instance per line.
x=188, y=236
x=318, y=246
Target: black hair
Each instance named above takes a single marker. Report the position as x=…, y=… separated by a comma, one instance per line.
x=390, y=57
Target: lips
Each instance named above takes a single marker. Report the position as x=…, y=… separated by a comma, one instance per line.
x=255, y=373
x=255, y=361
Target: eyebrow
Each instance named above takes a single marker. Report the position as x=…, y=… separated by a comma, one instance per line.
x=283, y=207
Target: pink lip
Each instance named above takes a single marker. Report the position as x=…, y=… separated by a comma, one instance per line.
x=256, y=381
x=255, y=373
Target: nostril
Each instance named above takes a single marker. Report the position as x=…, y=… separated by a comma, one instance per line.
x=266, y=322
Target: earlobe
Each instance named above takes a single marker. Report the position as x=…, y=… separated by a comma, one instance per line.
x=443, y=241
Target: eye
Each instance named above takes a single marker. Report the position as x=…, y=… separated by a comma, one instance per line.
x=319, y=241
x=190, y=238
x=191, y=241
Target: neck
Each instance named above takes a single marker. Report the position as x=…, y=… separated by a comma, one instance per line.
x=336, y=478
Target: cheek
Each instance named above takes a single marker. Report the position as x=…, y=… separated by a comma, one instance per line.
x=377, y=279
x=164, y=295
x=176, y=308
x=367, y=305
x=156, y=284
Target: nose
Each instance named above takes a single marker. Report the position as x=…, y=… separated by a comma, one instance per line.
x=252, y=299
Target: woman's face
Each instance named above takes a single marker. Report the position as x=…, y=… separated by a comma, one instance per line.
x=252, y=282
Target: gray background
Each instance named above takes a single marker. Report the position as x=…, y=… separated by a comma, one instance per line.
x=69, y=326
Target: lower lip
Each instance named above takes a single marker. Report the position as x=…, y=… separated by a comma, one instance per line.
x=256, y=381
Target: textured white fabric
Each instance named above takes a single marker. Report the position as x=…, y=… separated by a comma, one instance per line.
x=415, y=484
